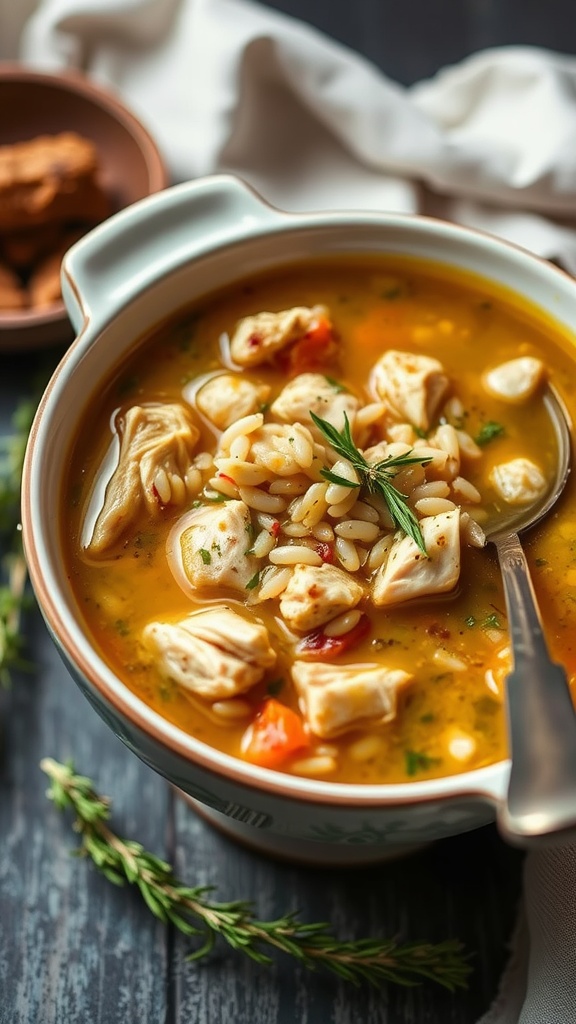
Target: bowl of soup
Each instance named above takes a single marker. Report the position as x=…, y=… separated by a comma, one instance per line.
x=255, y=505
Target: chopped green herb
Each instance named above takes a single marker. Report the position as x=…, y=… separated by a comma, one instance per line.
x=540, y=562
x=338, y=387
x=416, y=761
x=254, y=581
x=205, y=556
x=492, y=622
x=428, y=717
x=488, y=431
x=419, y=432
x=263, y=407
x=470, y=621
x=122, y=627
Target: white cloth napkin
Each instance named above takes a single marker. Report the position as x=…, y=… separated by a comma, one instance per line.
x=230, y=85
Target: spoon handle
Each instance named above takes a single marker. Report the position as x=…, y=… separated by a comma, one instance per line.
x=541, y=799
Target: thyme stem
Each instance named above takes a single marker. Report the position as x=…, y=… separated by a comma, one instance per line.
x=376, y=477
x=12, y=564
x=193, y=911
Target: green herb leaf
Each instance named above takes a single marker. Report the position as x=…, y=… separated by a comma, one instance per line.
x=254, y=581
x=377, y=477
x=193, y=911
x=488, y=431
x=205, y=556
x=335, y=479
x=416, y=761
x=338, y=387
x=492, y=622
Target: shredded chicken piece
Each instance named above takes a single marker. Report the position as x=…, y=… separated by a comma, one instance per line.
x=209, y=545
x=258, y=338
x=515, y=380
x=316, y=594
x=518, y=482
x=413, y=386
x=216, y=654
x=225, y=399
x=313, y=392
x=337, y=698
x=408, y=573
x=156, y=445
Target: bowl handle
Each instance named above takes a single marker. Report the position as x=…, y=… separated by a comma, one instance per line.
x=125, y=254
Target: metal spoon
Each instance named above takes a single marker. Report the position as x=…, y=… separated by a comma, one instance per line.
x=540, y=805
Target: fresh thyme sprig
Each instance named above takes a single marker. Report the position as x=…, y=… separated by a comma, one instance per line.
x=377, y=477
x=374, y=961
x=13, y=571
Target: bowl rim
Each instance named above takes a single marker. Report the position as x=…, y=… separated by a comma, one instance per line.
x=76, y=82
x=485, y=784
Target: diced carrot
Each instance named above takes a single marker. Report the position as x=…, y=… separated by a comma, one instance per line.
x=315, y=351
x=316, y=646
x=275, y=733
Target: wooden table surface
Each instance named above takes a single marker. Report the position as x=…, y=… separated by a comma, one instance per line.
x=76, y=950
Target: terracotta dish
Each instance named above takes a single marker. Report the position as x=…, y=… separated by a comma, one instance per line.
x=130, y=165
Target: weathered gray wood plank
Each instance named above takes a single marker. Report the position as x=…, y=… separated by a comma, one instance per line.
x=465, y=887
x=72, y=947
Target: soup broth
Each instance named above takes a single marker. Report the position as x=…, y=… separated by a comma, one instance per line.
x=445, y=652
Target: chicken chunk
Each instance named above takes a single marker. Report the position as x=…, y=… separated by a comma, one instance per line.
x=337, y=698
x=228, y=397
x=216, y=654
x=208, y=548
x=516, y=380
x=316, y=594
x=313, y=392
x=413, y=386
x=518, y=482
x=156, y=442
x=258, y=338
x=408, y=573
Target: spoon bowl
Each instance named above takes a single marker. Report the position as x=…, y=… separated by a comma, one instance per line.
x=527, y=516
x=540, y=804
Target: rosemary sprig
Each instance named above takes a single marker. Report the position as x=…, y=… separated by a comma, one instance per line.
x=377, y=477
x=12, y=564
x=374, y=961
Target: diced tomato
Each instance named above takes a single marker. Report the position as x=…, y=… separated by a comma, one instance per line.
x=275, y=733
x=326, y=552
x=275, y=528
x=316, y=646
x=229, y=479
x=315, y=351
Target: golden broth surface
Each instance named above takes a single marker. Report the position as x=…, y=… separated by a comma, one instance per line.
x=375, y=304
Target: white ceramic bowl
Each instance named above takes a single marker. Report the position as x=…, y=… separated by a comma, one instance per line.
x=128, y=275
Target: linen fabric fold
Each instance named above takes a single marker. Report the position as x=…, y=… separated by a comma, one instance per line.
x=228, y=85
